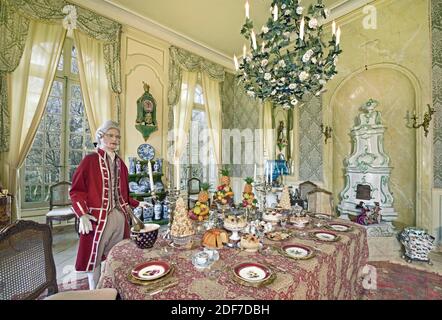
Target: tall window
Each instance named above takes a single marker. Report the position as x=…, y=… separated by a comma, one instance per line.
x=194, y=159
x=63, y=136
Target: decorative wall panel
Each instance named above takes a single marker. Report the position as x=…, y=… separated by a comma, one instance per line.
x=310, y=143
x=436, y=17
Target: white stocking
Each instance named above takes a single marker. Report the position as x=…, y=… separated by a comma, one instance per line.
x=93, y=277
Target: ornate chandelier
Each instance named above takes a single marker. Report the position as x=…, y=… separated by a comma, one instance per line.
x=288, y=61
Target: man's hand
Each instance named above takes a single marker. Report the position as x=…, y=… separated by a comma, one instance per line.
x=85, y=225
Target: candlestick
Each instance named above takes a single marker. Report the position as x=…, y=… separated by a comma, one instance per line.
x=338, y=35
x=333, y=28
x=152, y=186
x=244, y=52
x=275, y=13
x=178, y=187
x=301, y=29
x=247, y=9
x=235, y=60
x=254, y=40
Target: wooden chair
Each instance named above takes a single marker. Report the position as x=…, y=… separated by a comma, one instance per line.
x=60, y=208
x=320, y=201
x=27, y=267
x=193, y=189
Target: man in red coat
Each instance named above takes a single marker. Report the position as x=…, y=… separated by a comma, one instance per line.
x=100, y=199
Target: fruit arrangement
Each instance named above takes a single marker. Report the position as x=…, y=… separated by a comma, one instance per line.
x=224, y=192
x=201, y=210
x=248, y=197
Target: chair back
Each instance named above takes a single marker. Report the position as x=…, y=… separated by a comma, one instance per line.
x=27, y=267
x=193, y=186
x=59, y=194
x=305, y=187
x=320, y=201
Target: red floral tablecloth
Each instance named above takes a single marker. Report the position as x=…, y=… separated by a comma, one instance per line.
x=333, y=273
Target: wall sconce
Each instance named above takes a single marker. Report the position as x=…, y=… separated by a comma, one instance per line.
x=326, y=132
x=426, y=122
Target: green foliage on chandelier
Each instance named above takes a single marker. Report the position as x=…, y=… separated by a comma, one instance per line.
x=284, y=68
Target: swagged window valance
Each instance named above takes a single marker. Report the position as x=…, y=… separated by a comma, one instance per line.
x=14, y=24
x=181, y=59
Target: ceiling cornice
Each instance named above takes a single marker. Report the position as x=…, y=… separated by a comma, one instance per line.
x=131, y=18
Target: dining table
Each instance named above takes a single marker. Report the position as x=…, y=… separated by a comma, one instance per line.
x=332, y=272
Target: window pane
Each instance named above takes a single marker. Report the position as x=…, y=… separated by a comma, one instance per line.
x=33, y=193
x=34, y=157
x=38, y=140
x=76, y=93
x=53, y=122
x=34, y=175
x=53, y=105
x=89, y=144
x=52, y=175
x=76, y=141
x=71, y=172
x=74, y=63
x=52, y=158
x=61, y=62
x=75, y=157
x=57, y=89
x=52, y=140
x=76, y=125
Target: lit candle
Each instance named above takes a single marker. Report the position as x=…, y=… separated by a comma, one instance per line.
x=262, y=46
x=235, y=60
x=254, y=173
x=338, y=35
x=244, y=52
x=301, y=29
x=152, y=186
x=334, y=27
x=275, y=13
x=247, y=9
x=178, y=187
x=254, y=40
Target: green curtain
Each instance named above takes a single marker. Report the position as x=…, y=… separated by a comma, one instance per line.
x=14, y=23
x=181, y=59
x=14, y=29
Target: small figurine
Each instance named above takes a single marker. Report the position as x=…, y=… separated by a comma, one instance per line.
x=156, y=167
x=138, y=167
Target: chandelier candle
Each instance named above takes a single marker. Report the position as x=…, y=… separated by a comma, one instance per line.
x=293, y=62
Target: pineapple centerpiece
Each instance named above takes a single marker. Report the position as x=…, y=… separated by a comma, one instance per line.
x=201, y=210
x=224, y=192
x=248, y=197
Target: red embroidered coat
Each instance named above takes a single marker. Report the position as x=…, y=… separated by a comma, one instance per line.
x=90, y=194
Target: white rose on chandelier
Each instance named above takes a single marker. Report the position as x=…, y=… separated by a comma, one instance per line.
x=273, y=92
x=264, y=29
x=264, y=62
x=251, y=93
x=306, y=57
x=287, y=12
x=322, y=81
x=292, y=86
x=281, y=63
x=314, y=60
x=303, y=76
x=267, y=76
x=299, y=10
x=313, y=23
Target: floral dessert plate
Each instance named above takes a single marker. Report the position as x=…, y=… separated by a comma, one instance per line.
x=339, y=227
x=297, y=251
x=325, y=236
x=252, y=272
x=151, y=270
x=278, y=235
